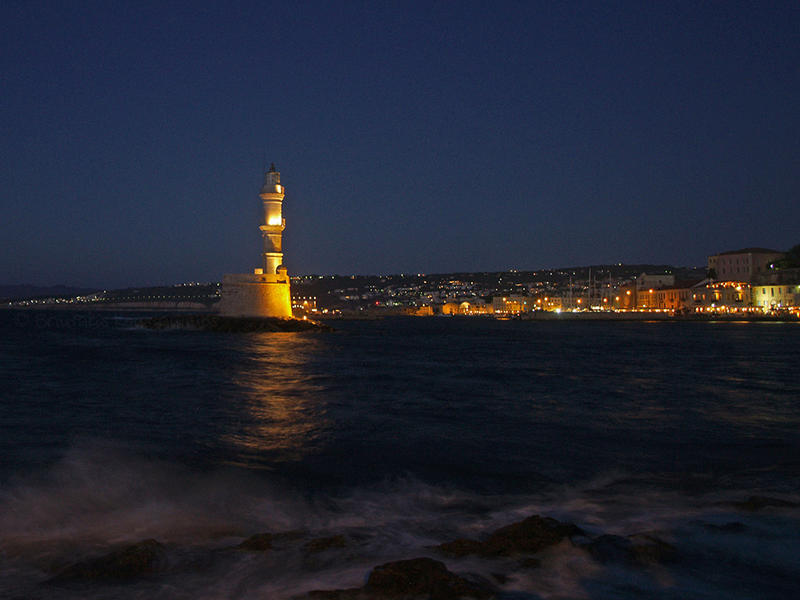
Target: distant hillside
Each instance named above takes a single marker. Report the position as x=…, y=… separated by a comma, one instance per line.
x=23, y=292
x=501, y=281
x=178, y=296
x=334, y=291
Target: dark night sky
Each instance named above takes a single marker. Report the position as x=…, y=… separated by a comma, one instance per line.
x=411, y=137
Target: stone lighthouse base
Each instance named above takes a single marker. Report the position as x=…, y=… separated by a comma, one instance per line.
x=257, y=295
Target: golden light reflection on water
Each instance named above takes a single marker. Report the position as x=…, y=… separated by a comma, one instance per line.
x=280, y=413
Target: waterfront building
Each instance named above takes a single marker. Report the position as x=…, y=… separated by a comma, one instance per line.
x=671, y=299
x=265, y=292
x=747, y=264
x=721, y=296
x=626, y=297
x=693, y=295
x=782, y=276
x=450, y=308
x=549, y=303
x=776, y=297
x=304, y=304
x=512, y=304
x=659, y=280
x=476, y=306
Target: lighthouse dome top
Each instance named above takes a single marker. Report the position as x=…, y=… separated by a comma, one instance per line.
x=272, y=180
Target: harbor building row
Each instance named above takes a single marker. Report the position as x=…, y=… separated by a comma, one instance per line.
x=747, y=280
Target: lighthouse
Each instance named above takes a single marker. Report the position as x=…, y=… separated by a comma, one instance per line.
x=272, y=230
x=265, y=292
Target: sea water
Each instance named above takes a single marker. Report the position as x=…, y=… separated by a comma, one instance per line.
x=399, y=434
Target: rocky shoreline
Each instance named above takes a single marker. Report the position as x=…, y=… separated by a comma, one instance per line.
x=481, y=568
x=216, y=323
x=419, y=577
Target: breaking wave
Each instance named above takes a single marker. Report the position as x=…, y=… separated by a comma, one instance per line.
x=100, y=497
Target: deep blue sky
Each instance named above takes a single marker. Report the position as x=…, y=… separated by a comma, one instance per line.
x=411, y=137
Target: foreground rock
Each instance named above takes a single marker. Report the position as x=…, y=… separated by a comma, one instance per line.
x=639, y=549
x=525, y=537
x=230, y=324
x=754, y=503
x=265, y=542
x=260, y=542
x=325, y=543
x=421, y=576
x=407, y=579
x=730, y=527
x=144, y=558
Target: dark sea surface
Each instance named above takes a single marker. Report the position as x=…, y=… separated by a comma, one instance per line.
x=399, y=434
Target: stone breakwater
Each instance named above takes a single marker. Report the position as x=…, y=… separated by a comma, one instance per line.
x=231, y=324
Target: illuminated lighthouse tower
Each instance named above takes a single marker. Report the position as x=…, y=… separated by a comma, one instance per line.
x=274, y=223
x=265, y=293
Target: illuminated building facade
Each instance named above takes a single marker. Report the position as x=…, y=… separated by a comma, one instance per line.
x=776, y=297
x=426, y=310
x=467, y=308
x=265, y=292
x=660, y=280
x=512, y=304
x=626, y=297
x=549, y=303
x=306, y=304
x=721, y=297
x=747, y=264
x=703, y=296
x=670, y=299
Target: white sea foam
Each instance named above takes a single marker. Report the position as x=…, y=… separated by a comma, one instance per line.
x=101, y=497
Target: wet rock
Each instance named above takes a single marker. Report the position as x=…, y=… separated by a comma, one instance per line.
x=349, y=594
x=289, y=536
x=609, y=548
x=325, y=543
x=530, y=563
x=422, y=577
x=754, y=503
x=648, y=549
x=525, y=537
x=260, y=542
x=461, y=547
x=529, y=536
x=144, y=558
x=639, y=549
x=416, y=578
x=732, y=527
